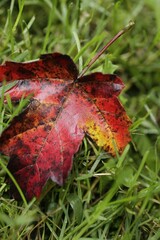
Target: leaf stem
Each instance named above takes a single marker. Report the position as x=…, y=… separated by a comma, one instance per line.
x=119, y=34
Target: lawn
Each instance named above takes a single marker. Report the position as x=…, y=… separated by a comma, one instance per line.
x=103, y=197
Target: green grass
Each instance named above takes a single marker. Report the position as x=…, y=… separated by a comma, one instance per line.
x=104, y=197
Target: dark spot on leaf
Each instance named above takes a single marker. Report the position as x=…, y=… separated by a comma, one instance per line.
x=112, y=77
x=26, y=72
x=47, y=128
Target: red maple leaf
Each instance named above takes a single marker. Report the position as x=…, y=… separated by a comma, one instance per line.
x=43, y=139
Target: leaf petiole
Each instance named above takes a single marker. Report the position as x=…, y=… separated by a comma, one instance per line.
x=119, y=34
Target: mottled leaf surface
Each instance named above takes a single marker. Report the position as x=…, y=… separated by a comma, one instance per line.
x=43, y=139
